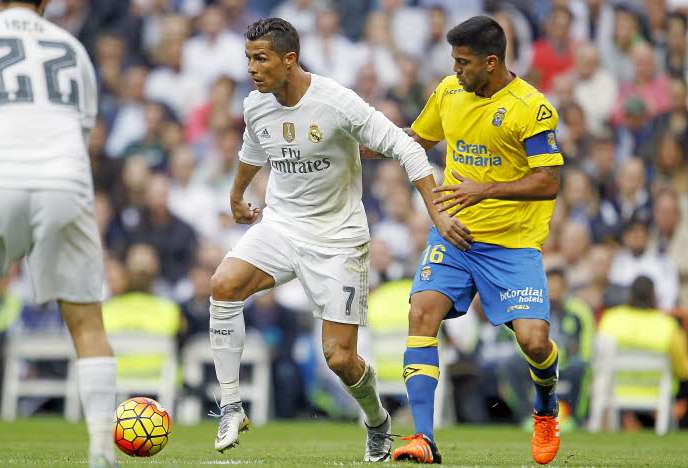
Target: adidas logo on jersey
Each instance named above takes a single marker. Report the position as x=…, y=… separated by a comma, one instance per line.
x=265, y=134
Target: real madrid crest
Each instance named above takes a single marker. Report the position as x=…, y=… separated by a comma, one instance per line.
x=315, y=135
x=288, y=131
x=498, y=117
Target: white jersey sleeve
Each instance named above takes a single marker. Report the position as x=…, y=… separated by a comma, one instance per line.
x=251, y=152
x=375, y=131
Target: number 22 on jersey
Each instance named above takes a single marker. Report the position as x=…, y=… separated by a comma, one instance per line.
x=24, y=91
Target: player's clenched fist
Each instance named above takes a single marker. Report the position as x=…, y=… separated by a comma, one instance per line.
x=243, y=212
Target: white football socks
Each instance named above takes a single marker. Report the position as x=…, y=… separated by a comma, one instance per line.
x=365, y=393
x=97, y=390
x=227, y=335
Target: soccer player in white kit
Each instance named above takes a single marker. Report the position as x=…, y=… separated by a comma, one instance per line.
x=48, y=104
x=308, y=129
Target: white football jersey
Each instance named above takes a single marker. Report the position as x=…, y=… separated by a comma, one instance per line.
x=315, y=186
x=48, y=96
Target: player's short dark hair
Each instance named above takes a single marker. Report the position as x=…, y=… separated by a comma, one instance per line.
x=481, y=34
x=281, y=34
x=642, y=293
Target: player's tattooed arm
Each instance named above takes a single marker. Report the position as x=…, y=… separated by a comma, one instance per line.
x=553, y=172
x=541, y=184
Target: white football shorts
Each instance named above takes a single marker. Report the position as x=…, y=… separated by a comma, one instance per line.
x=335, y=279
x=56, y=231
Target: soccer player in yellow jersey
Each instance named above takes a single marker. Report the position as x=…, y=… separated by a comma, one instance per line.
x=501, y=179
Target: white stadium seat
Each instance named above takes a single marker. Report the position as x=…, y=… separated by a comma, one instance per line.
x=607, y=402
x=21, y=347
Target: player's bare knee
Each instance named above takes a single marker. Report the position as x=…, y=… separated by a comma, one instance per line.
x=225, y=287
x=339, y=359
x=535, y=346
x=423, y=321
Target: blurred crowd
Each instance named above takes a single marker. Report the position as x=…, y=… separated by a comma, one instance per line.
x=172, y=77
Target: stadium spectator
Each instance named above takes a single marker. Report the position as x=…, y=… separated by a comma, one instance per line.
x=222, y=99
x=655, y=16
x=110, y=57
x=553, y=54
x=383, y=266
x=214, y=51
x=598, y=291
x=185, y=197
x=378, y=49
x=616, y=53
x=647, y=84
x=640, y=325
x=674, y=53
x=170, y=84
x=409, y=25
x=328, y=52
x=408, y=91
x=174, y=241
x=574, y=242
x=239, y=14
x=300, y=13
x=675, y=120
x=435, y=58
x=635, y=259
x=670, y=169
x=593, y=21
x=106, y=171
x=583, y=204
x=669, y=235
x=519, y=38
x=631, y=201
x=595, y=88
x=575, y=138
x=150, y=145
x=126, y=124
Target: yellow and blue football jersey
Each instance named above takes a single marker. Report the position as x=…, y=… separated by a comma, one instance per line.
x=497, y=139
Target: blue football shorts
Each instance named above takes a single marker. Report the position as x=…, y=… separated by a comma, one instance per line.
x=511, y=282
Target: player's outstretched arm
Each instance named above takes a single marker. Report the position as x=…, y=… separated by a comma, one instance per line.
x=380, y=135
x=541, y=184
x=449, y=227
x=242, y=211
x=367, y=153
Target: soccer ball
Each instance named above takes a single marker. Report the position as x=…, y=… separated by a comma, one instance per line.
x=142, y=427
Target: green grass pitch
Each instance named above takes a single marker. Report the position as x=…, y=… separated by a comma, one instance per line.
x=52, y=442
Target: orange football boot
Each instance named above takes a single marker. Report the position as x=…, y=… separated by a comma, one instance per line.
x=420, y=449
x=545, y=442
